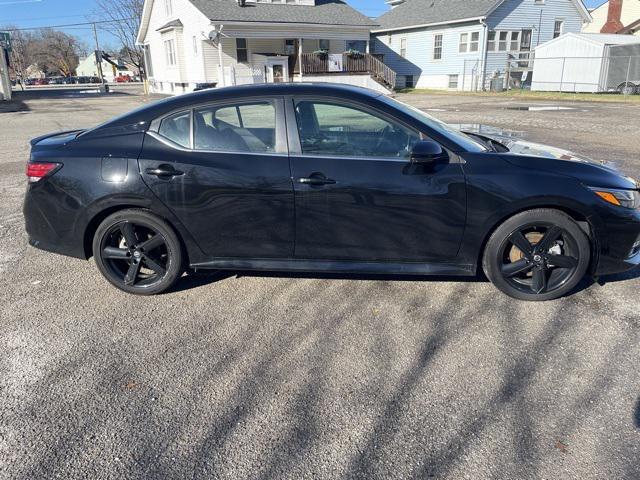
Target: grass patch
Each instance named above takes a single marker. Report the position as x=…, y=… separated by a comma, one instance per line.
x=529, y=95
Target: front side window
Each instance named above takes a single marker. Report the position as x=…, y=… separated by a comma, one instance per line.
x=248, y=127
x=330, y=129
x=437, y=46
x=177, y=128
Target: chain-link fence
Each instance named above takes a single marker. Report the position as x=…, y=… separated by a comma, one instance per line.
x=605, y=74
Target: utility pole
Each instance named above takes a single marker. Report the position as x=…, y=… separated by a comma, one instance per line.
x=98, y=56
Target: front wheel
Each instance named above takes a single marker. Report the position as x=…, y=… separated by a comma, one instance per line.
x=138, y=252
x=537, y=255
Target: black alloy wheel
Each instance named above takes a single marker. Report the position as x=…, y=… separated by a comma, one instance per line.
x=138, y=252
x=537, y=255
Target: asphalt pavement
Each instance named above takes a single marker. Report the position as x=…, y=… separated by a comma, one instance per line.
x=307, y=376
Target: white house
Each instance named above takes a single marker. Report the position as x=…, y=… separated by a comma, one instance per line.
x=229, y=42
x=466, y=44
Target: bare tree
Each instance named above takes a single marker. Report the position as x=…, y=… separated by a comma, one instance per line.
x=56, y=51
x=124, y=18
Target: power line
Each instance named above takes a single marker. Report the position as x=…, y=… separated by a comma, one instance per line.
x=72, y=24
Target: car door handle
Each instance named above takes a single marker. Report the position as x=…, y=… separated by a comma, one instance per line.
x=316, y=179
x=164, y=171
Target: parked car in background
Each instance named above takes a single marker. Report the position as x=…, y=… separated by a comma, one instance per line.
x=123, y=79
x=328, y=178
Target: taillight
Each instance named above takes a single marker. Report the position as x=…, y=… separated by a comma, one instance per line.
x=37, y=171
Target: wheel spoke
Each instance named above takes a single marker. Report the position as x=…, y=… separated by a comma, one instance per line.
x=154, y=242
x=129, y=234
x=514, y=268
x=539, y=280
x=153, y=265
x=562, y=261
x=114, y=253
x=550, y=236
x=132, y=273
x=520, y=241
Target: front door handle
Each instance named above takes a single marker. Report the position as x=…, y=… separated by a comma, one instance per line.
x=164, y=171
x=316, y=179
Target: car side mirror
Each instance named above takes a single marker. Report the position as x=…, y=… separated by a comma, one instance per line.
x=426, y=152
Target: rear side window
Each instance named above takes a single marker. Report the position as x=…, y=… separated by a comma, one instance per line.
x=177, y=128
x=247, y=127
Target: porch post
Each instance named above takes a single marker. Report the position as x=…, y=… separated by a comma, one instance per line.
x=300, y=57
x=221, y=63
x=368, y=47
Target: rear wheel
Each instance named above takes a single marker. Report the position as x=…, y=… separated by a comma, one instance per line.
x=627, y=88
x=537, y=255
x=138, y=252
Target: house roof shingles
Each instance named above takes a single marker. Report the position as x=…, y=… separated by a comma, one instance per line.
x=425, y=12
x=325, y=12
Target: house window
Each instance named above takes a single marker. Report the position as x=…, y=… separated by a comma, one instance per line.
x=195, y=45
x=453, y=81
x=242, y=54
x=290, y=47
x=403, y=47
x=170, y=51
x=324, y=45
x=148, y=66
x=437, y=46
x=408, y=81
x=469, y=42
x=557, y=28
x=503, y=41
x=358, y=45
x=168, y=7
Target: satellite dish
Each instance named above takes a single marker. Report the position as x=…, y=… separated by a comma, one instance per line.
x=215, y=35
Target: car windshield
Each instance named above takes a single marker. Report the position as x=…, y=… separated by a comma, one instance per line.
x=456, y=135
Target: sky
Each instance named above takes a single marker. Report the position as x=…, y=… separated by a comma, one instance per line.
x=38, y=13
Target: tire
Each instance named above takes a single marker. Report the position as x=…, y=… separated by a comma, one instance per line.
x=627, y=88
x=551, y=256
x=150, y=263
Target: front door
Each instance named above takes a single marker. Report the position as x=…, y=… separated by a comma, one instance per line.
x=357, y=195
x=229, y=182
x=278, y=70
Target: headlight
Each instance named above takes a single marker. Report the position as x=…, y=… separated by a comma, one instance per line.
x=620, y=198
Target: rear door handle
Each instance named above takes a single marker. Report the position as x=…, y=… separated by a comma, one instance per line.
x=164, y=171
x=316, y=179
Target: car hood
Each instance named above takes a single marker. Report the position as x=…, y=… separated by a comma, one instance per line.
x=536, y=155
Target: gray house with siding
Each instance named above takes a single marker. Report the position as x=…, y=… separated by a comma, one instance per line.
x=464, y=44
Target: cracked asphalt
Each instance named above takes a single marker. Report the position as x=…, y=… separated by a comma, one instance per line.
x=313, y=376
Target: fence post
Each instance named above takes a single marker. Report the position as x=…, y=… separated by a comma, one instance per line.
x=564, y=59
x=625, y=90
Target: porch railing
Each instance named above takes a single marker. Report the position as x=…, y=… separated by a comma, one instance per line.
x=370, y=63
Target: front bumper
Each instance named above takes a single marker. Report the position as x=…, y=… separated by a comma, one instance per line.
x=617, y=240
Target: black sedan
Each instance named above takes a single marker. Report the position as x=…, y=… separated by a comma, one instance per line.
x=323, y=178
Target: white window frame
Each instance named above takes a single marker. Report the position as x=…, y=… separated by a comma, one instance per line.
x=403, y=47
x=170, y=52
x=469, y=42
x=561, y=31
x=457, y=77
x=195, y=45
x=508, y=41
x=168, y=7
x=433, y=51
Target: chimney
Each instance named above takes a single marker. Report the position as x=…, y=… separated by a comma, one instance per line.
x=613, y=25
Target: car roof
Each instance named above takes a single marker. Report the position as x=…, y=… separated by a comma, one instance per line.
x=153, y=110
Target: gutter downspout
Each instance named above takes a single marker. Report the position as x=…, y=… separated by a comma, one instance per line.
x=485, y=48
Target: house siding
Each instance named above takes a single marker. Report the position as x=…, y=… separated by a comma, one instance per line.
x=519, y=14
x=419, y=62
x=510, y=15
